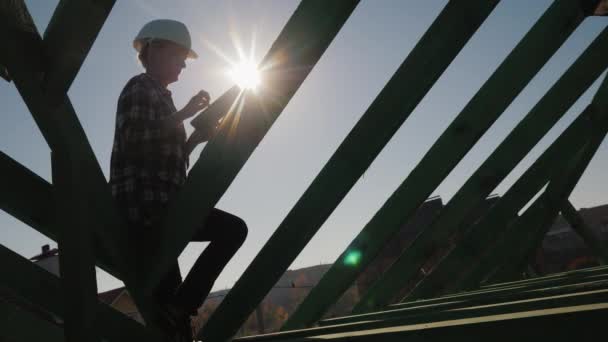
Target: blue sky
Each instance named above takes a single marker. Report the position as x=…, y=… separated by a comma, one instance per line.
x=362, y=58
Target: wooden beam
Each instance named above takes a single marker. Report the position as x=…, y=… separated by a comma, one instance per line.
x=68, y=39
x=26, y=196
x=29, y=198
x=42, y=289
x=18, y=325
x=492, y=298
x=529, y=318
x=578, y=224
x=76, y=259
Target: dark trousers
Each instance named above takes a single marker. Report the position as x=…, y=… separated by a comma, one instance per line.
x=225, y=233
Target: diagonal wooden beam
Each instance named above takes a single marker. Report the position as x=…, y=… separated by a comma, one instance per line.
x=578, y=224
x=68, y=38
x=26, y=196
x=29, y=198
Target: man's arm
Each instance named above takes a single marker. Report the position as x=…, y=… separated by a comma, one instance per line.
x=196, y=103
x=171, y=122
x=134, y=117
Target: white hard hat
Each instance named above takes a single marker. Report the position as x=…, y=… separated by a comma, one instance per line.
x=167, y=29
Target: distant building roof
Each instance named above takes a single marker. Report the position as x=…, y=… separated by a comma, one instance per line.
x=47, y=252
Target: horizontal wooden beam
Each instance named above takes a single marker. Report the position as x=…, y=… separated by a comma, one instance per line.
x=471, y=300
x=561, y=275
x=529, y=318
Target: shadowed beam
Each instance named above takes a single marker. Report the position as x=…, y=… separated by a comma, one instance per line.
x=18, y=325
x=513, y=74
x=40, y=288
x=578, y=224
x=76, y=259
x=388, y=111
x=26, y=196
x=68, y=38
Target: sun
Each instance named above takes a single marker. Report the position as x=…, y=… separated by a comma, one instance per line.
x=245, y=74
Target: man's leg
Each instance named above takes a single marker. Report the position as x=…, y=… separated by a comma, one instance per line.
x=226, y=233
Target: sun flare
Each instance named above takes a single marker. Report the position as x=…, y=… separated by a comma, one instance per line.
x=245, y=74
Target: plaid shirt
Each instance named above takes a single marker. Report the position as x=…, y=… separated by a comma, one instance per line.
x=148, y=161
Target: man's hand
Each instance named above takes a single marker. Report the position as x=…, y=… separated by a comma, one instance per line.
x=197, y=103
x=202, y=134
x=195, y=138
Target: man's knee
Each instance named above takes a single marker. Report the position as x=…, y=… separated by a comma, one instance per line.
x=240, y=229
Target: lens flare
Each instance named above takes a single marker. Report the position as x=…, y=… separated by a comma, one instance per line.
x=352, y=258
x=245, y=74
